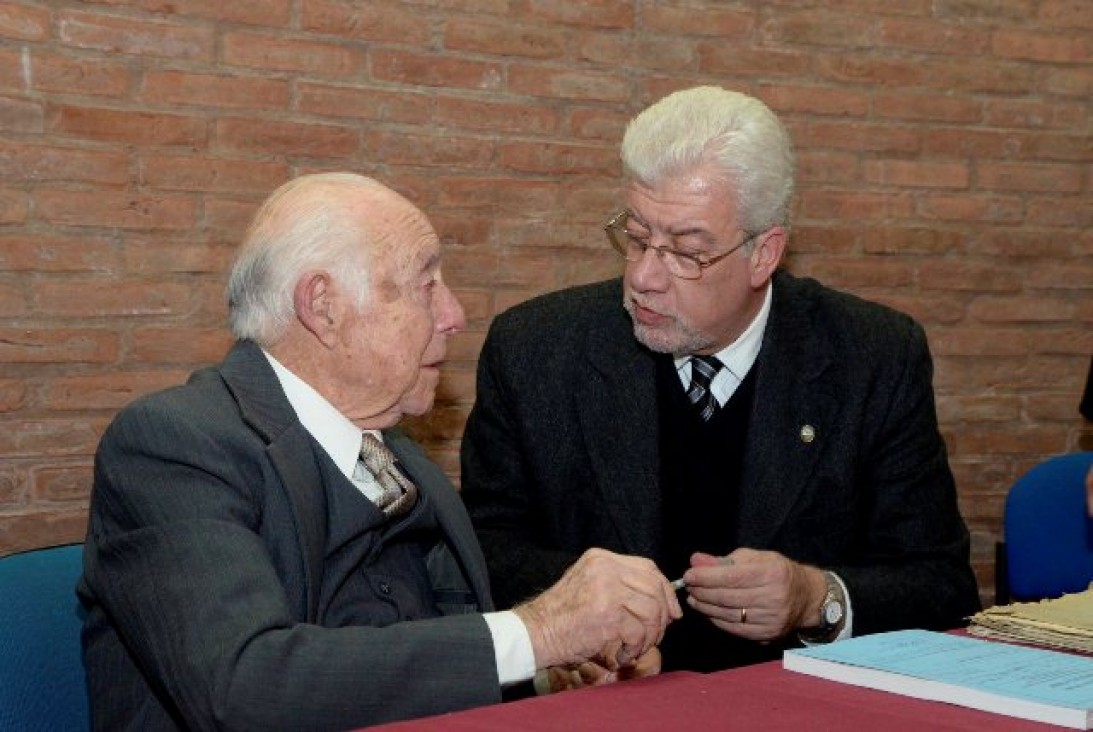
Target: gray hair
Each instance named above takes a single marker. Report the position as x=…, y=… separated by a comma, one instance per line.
x=305, y=225
x=736, y=133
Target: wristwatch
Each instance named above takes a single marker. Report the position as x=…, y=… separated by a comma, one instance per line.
x=832, y=614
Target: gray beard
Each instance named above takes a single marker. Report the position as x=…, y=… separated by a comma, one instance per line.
x=679, y=340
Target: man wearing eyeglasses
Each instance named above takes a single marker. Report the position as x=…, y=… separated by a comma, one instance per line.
x=771, y=442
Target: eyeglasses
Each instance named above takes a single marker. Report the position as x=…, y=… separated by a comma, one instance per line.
x=632, y=245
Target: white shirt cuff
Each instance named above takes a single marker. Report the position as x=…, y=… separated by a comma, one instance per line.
x=511, y=647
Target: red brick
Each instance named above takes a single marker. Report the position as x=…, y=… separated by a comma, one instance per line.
x=824, y=240
x=180, y=345
x=13, y=486
x=862, y=137
x=783, y=98
x=1021, y=310
x=219, y=90
x=17, y=115
x=460, y=229
x=280, y=53
x=499, y=38
x=23, y=23
x=968, y=276
x=268, y=137
x=980, y=408
x=13, y=72
x=1052, y=211
x=604, y=47
x=19, y=532
x=1030, y=177
x=401, y=148
x=1051, y=48
x=911, y=240
x=856, y=206
x=14, y=206
x=1077, y=83
x=928, y=107
x=209, y=174
x=1036, y=114
x=498, y=193
x=20, y=162
x=565, y=83
x=477, y=114
x=375, y=21
x=129, y=127
x=594, y=13
x=1024, y=243
x=227, y=219
x=933, y=37
x=106, y=391
x=91, y=298
x=156, y=256
x=116, y=209
x=991, y=11
x=930, y=309
x=116, y=34
x=63, y=345
x=78, y=74
x=269, y=13
x=916, y=174
x=977, y=75
x=30, y=438
x=364, y=103
x=993, y=209
x=1003, y=440
x=556, y=159
x=13, y=397
x=434, y=70
x=815, y=28
x=744, y=62
x=63, y=485
x=598, y=124
x=38, y=253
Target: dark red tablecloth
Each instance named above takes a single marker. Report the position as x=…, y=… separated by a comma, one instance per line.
x=762, y=697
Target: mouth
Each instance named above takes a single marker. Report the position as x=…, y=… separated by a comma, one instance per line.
x=647, y=316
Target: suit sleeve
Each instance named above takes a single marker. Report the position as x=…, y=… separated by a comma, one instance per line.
x=177, y=558
x=911, y=568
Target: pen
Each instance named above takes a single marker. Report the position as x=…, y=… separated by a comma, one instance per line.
x=679, y=584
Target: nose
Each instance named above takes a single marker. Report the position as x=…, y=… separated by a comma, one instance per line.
x=648, y=273
x=450, y=318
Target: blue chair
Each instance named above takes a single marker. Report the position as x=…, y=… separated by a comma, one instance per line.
x=1048, y=534
x=42, y=684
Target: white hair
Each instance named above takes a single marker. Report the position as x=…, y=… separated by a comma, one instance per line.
x=305, y=225
x=738, y=134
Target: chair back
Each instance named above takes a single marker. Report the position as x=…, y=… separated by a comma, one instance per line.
x=42, y=681
x=1047, y=529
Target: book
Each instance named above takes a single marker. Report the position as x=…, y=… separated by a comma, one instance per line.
x=1018, y=681
x=1065, y=622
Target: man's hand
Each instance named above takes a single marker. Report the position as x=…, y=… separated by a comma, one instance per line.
x=591, y=673
x=759, y=595
x=604, y=605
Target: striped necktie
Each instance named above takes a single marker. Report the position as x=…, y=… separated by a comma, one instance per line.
x=703, y=369
x=399, y=492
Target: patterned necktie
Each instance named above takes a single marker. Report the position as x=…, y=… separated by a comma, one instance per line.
x=703, y=369
x=399, y=492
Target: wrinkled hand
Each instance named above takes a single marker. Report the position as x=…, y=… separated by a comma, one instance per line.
x=780, y=595
x=604, y=603
x=591, y=673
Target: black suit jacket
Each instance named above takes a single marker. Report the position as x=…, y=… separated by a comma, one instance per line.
x=203, y=564
x=561, y=450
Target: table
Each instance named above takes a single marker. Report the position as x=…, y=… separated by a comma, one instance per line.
x=761, y=697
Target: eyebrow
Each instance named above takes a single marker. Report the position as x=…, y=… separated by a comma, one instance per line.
x=688, y=231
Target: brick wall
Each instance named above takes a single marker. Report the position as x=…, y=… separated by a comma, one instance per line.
x=945, y=167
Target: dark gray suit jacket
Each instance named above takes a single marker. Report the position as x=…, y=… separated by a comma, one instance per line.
x=203, y=565
x=561, y=450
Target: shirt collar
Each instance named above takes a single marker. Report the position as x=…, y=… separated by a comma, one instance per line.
x=339, y=437
x=739, y=356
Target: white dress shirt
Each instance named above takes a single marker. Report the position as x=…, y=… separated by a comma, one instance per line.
x=341, y=440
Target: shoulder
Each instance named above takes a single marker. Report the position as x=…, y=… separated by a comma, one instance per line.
x=560, y=319
x=840, y=316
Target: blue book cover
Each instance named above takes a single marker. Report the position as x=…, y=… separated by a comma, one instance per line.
x=1031, y=683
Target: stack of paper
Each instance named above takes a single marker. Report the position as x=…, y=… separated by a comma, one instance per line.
x=1030, y=683
x=1063, y=623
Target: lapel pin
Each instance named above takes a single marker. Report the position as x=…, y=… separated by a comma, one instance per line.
x=808, y=433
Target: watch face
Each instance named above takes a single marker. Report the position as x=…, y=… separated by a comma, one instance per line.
x=833, y=613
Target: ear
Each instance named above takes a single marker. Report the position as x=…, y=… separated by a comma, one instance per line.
x=313, y=298
x=766, y=256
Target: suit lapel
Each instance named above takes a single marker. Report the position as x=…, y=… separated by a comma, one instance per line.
x=265, y=408
x=450, y=513
x=618, y=416
x=791, y=418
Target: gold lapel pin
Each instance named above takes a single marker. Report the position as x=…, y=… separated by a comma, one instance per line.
x=808, y=433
